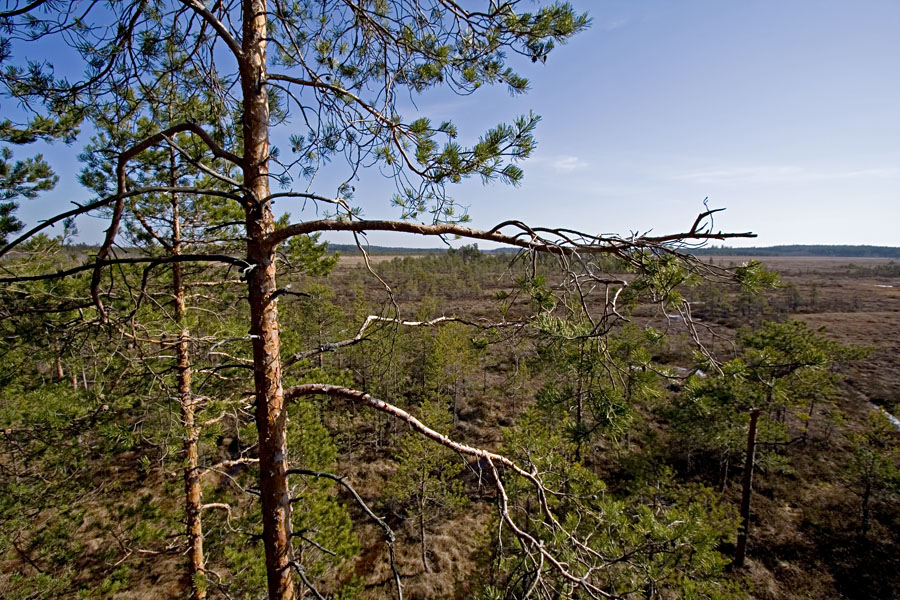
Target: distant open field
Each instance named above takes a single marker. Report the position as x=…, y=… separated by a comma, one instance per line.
x=351, y=260
x=794, y=264
x=858, y=302
x=783, y=264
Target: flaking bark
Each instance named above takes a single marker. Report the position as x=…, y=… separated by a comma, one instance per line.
x=193, y=497
x=270, y=414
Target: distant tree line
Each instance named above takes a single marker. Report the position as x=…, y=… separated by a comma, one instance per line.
x=842, y=251
x=801, y=250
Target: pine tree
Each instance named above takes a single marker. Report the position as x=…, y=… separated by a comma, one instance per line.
x=427, y=480
x=759, y=398
x=336, y=71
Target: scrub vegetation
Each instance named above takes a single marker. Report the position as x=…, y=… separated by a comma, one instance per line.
x=210, y=404
x=634, y=427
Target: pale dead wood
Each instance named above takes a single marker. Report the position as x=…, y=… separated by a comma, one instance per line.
x=530, y=543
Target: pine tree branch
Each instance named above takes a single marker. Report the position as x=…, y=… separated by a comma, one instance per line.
x=221, y=258
x=122, y=187
x=21, y=11
x=82, y=209
x=218, y=26
x=539, y=239
x=360, y=334
x=228, y=463
x=492, y=458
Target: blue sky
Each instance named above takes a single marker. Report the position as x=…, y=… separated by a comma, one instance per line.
x=787, y=113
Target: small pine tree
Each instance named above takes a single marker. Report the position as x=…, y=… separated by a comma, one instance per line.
x=426, y=482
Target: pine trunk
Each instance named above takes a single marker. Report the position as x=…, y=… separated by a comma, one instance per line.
x=270, y=415
x=422, y=525
x=740, y=552
x=724, y=463
x=60, y=374
x=192, y=491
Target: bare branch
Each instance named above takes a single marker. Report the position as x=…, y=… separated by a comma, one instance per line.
x=389, y=536
x=302, y=573
x=536, y=239
x=361, y=334
x=492, y=458
x=228, y=463
x=97, y=264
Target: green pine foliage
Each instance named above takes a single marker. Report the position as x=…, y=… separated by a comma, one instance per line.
x=598, y=384
x=659, y=539
x=874, y=471
x=426, y=485
x=20, y=179
x=571, y=386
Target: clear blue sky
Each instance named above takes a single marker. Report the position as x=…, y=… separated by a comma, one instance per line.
x=785, y=112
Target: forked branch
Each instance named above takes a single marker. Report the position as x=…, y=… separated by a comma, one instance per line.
x=536, y=548
x=539, y=239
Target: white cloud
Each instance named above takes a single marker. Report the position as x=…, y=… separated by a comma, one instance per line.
x=567, y=164
x=780, y=174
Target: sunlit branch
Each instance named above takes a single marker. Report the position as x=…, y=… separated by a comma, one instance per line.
x=361, y=333
x=492, y=458
x=527, y=238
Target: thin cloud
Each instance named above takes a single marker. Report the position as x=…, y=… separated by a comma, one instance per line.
x=780, y=174
x=612, y=24
x=567, y=164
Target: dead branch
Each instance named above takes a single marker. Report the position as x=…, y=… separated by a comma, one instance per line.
x=228, y=463
x=389, y=536
x=540, y=239
x=361, y=333
x=492, y=458
x=298, y=568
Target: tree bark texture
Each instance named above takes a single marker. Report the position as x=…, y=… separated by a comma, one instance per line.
x=60, y=374
x=740, y=552
x=270, y=413
x=192, y=492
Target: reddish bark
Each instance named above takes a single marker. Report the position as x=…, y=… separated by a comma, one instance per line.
x=192, y=492
x=270, y=414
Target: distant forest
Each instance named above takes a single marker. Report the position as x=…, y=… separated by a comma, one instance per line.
x=798, y=250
